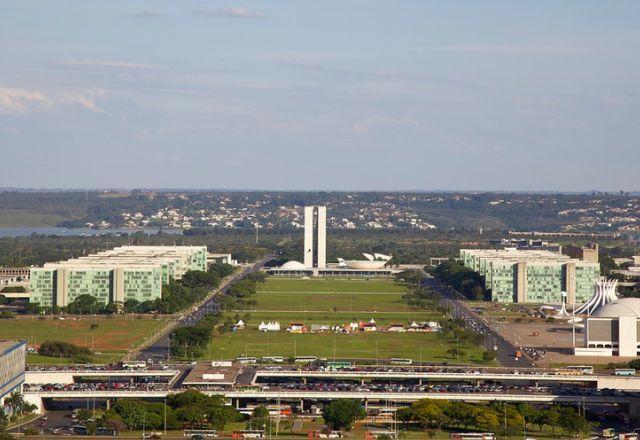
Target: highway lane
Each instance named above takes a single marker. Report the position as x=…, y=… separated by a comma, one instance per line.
x=505, y=353
x=160, y=349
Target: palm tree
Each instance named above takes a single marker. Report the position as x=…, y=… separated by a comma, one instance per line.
x=15, y=402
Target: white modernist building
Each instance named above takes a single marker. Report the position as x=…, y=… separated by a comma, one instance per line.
x=315, y=215
x=315, y=226
x=611, y=326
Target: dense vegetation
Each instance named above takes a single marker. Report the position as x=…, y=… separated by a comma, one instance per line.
x=190, y=409
x=341, y=414
x=464, y=280
x=438, y=414
x=65, y=350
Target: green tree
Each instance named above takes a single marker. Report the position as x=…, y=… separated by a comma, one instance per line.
x=487, y=419
x=259, y=418
x=488, y=355
x=84, y=305
x=341, y=414
x=131, y=411
x=428, y=413
x=33, y=308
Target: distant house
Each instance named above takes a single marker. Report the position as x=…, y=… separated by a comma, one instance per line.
x=296, y=327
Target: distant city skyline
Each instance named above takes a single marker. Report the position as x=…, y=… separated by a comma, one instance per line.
x=360, y=95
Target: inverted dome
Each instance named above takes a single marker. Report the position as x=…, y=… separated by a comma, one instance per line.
x=622, y=307
x=292, y=265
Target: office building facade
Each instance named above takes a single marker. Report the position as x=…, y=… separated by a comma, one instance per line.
x=118, y=275
x=12, y=367
x=532, y=276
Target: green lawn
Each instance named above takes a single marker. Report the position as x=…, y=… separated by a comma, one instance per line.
x=109, y=340
x=322, y=295
x=428, y=347
x=331, y=285
x=331, y=301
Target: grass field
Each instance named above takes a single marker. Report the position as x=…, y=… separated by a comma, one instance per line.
x=109, y=339
x=331, y=301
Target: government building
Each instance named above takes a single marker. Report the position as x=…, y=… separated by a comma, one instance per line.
x=12, y=367
x=613, y=330
x=116, y=275
x=533, y=276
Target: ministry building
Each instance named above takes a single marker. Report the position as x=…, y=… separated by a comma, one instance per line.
x=533, y=276
x=116, y=275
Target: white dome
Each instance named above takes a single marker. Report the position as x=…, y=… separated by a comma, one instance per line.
x=622, y=307
x=292, y=265
x=365, y=264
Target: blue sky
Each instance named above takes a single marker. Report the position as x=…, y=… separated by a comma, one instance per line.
x=296, y=94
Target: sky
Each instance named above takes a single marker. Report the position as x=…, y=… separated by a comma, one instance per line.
x=320, y=95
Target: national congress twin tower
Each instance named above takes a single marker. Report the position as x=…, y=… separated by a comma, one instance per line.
x=120, y=274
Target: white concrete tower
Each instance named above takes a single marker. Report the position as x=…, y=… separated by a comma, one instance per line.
x=322, y=237
x=308, y=236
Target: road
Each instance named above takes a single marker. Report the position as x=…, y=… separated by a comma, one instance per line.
x=506, y=350
x=160, y=348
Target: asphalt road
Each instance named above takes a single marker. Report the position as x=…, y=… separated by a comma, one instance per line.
x=159, y=349
x=505, y=354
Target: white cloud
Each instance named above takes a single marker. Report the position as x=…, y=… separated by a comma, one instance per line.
x=20, y=101
x=17, y=101
x=228, y=12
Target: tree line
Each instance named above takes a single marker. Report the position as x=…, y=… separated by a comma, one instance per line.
x=190, y=409
x=66, y=350
x=464, y=280
x=429, y=414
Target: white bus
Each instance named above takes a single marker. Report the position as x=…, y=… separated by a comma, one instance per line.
x=247, y=360
x=401, y=361
x=624, y=372
x=472, y=436
x=274, y=359
x=305, y=359
x=580, y=369
x=134, y=365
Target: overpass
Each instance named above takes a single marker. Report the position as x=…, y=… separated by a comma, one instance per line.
x=238, y=396
x=596, y=381
x=627, y=383
x=68, y=376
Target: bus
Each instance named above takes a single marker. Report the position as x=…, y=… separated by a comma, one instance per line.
x=274, y=359
x=624, y=372
x=337, y=365
x=401, y=361
x=134, y=365
x=246, y=360
x=305, y=359
x=200, y=433
x=579, y=369
x=472, y=436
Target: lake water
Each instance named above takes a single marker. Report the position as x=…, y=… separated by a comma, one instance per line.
x=52, y=230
